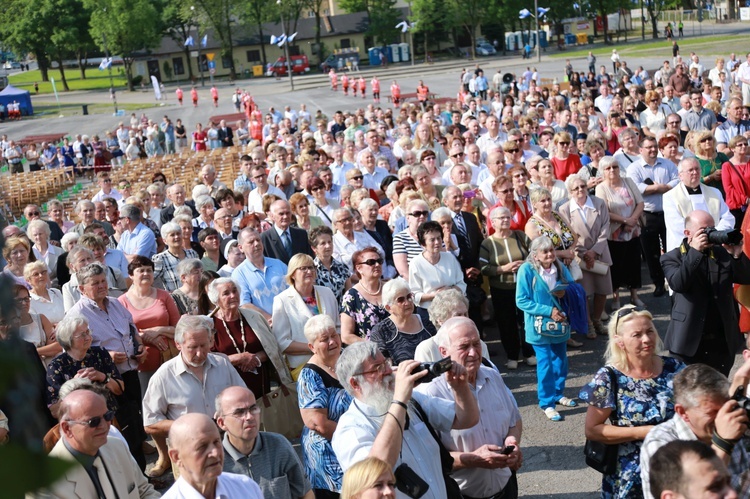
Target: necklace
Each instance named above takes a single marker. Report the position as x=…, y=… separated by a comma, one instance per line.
x=377, y=291
x=242, y=333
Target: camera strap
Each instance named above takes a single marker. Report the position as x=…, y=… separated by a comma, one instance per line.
x=377, y=429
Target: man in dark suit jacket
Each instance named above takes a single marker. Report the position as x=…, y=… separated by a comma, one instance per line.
x=273, y=243
x=704, y=324
x=176, y=194
x=469, y=235
x=226, y=135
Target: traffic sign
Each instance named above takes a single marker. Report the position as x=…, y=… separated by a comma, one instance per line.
x=212, y=71
x=211, y=64
x=210, y=56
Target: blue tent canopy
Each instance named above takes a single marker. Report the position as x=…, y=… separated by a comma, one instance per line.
x=23, y=97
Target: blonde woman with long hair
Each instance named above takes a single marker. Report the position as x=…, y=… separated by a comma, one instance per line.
x=370, y=478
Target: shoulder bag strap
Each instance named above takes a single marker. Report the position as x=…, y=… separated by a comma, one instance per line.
x=739, y=178
x=446, y=460
x=615, y=389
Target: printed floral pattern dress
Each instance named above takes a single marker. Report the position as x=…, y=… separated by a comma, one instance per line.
x=316, y=389
x=562, y=241
x=364, y=313
x=640, y=402
x=334, y=279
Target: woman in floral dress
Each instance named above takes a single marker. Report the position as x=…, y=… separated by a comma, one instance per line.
x=362, y=306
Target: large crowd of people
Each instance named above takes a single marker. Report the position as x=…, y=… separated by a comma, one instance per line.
x=350, y=250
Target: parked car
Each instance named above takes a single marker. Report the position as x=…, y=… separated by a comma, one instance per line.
x=485, y=49
x=300, y=65
x=346, y=59
x=12, y=65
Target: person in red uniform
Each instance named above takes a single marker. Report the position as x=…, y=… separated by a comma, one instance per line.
x=375, y=84
x=345, y=83
x=256, y=129
x=334, y=80
x=362, y=86
x=395, y=93
x=194, y=96
x=215, y=96
x=422, y=92
x=178, y=92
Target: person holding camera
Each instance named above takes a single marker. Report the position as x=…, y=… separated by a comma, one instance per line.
x=703, y=411
x=692, y=194
x=487, y=456
x=388, y=420
x=700, y=272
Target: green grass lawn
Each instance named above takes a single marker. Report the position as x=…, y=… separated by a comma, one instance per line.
x=705, y=45
x=95, y=80
x=50, y=108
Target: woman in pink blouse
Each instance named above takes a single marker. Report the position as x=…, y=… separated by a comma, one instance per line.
x=155, y=315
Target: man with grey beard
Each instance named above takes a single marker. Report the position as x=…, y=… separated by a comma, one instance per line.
x=385, y=419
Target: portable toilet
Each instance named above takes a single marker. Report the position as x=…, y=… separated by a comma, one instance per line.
x=395, y=52
x=533, y=39
x=373, y=54
x=519, y=39
x=510, y=42
x=386, y=49
x=405, y=55
x=543, y=39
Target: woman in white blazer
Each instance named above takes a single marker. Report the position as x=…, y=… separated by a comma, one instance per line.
x=295, y=305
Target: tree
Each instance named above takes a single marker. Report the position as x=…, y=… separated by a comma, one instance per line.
x=219, y=16
x=654, y=8
x=433, y=20
x=316, y=6
x=470, y=14
x=256, y=13
x=125, y=27
x=382, y=15
x=24, y=28
x=177, y=22
x=70, y=34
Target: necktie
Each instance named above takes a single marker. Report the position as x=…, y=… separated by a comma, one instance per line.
x=287, y=242
x=460, y=226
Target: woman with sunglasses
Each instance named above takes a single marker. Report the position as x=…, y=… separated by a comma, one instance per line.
x=434, y=269
x=80, y=359
x=564, y=161
x=503, y=188
x=643, y=399
x=654, y=117
x=735, y=178
x=295, y=305
x=362, y=308
x=35, y=328
x=407, y=325
x=711, y=161
x=406, y=243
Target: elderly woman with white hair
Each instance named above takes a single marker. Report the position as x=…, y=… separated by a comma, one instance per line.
x=588, y=217
x=322, y=401
x=244, y=336
x=407, y=325
x=133, y=151
x=45, y=300
x=376, y=227
x=541, y=284
x=165, y=263
x=294, y=306
x=206, y=208
x=187, y=295
x=81, y=359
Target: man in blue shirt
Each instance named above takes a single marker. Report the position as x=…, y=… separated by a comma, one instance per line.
x=260, y=278
x=137, y=238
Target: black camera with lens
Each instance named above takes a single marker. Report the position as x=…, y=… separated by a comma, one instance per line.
x=434, y=369
x=408, y=482
x=716, y=236
x=742, y=400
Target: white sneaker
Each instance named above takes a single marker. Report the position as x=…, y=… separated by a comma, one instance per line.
x=530, y=361
x=512, y=365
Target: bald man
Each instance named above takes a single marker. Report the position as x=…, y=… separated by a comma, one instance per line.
x=104, y=467
x=704, y=326
x=197, y=452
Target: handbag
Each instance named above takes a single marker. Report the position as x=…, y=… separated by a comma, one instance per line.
x=547, y=326
x=575, y=271
x=599, y=268
x=600, y=456
x=453, y=491
x=280, y=411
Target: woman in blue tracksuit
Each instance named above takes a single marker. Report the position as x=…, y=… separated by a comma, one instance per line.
x=538, y=293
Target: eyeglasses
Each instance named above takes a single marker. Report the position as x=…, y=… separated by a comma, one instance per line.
x=372, y=262
x=402, y=299
x=344, y=220
x=505, y=191
x=564, y=143
x=95, y=421
x=512, y=151
x=741, y=144
x=315, y=189
x=307, y=268
x=624, y=312
x=428, y=158
x=24, y=299
x=34, y=214
x=244, y=412
x=654, y=100
x=358, y=177
x=457, y=155
x=706, y=139
x=578, y=188
x=107, y=180
x=417, y=214
x=84, y=334
x=378, y=368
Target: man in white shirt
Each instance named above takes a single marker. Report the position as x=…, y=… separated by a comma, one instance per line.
x=493, y=138
x=106, y=191
x=743, y=77
x=713, y=75
x=695, y=63
x=197, y=451
x=255, y=199
x=604, y=101
x=339, y=167
x=733, y=126
x=670, y=99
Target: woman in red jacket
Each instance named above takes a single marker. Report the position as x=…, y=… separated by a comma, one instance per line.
x=735, y=178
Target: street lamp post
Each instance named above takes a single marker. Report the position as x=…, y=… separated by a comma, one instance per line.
x=538, y=38
x=286, y=48
x=112, y=92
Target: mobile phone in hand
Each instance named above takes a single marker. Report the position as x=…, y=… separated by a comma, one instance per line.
x=508, y=450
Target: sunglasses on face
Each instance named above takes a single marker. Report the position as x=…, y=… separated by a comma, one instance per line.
x=372, y=262
x=96, y=421
x=358, y=177
x=401, y=299
x=457, y=155
x=417, y=214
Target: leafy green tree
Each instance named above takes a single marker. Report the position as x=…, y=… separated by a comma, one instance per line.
x=128, y=26
x=24, y=28
x=382, y=15
x=255, y=13
x=470, y=14
x=220, y=15
x=178, y=22
x=316, y=6
x=433, y=20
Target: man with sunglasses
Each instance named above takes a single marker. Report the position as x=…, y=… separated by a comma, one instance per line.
x=704, y=326
x=733, y=126
x=104, y=467
x=33, y=212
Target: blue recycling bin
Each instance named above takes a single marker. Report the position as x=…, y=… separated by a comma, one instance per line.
x=570, y=39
